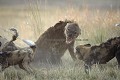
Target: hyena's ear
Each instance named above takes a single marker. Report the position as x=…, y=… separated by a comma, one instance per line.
x=60, y=24
x=88, y=45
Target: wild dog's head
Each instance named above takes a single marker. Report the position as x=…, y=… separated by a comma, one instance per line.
x=82, y=51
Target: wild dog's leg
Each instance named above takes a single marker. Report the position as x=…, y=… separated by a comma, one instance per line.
x=24, y=67
x=117, y=55
x=4, y=66
x=87, y=68
x=31, y=68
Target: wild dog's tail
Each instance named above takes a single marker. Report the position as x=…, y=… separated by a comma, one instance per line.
x=117, y=25
x=15, y=34
x=30, y=43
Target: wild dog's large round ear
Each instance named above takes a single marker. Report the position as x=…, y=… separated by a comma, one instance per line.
x=88, y=45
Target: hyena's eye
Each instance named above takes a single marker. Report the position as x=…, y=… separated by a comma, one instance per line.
x=68, y=29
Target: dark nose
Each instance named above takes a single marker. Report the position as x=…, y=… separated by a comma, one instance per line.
x=69, y=35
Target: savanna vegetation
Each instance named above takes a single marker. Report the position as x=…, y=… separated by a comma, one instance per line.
x=97, y=26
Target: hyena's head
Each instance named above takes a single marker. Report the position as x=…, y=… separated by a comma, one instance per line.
x=71, y=31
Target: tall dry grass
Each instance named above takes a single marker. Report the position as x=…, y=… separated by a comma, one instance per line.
x=96, y=25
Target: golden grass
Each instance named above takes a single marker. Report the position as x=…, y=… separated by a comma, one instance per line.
x=37, y=21
x=96, y=26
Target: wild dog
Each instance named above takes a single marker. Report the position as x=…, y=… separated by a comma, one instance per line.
x=100, y=54
x=20, y=56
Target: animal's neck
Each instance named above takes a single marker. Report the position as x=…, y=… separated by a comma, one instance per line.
x=58, y=34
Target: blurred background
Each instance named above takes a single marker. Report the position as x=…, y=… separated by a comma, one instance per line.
x=63, y=3
x=96, y=18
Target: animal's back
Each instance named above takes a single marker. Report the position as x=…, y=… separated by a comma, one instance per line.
x=51, y=40
x=18, y=56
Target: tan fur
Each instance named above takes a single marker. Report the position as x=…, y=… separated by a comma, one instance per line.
x=52, y=44
x=83, y=52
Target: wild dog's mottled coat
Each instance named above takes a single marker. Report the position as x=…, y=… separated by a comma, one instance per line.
x=102, y=53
